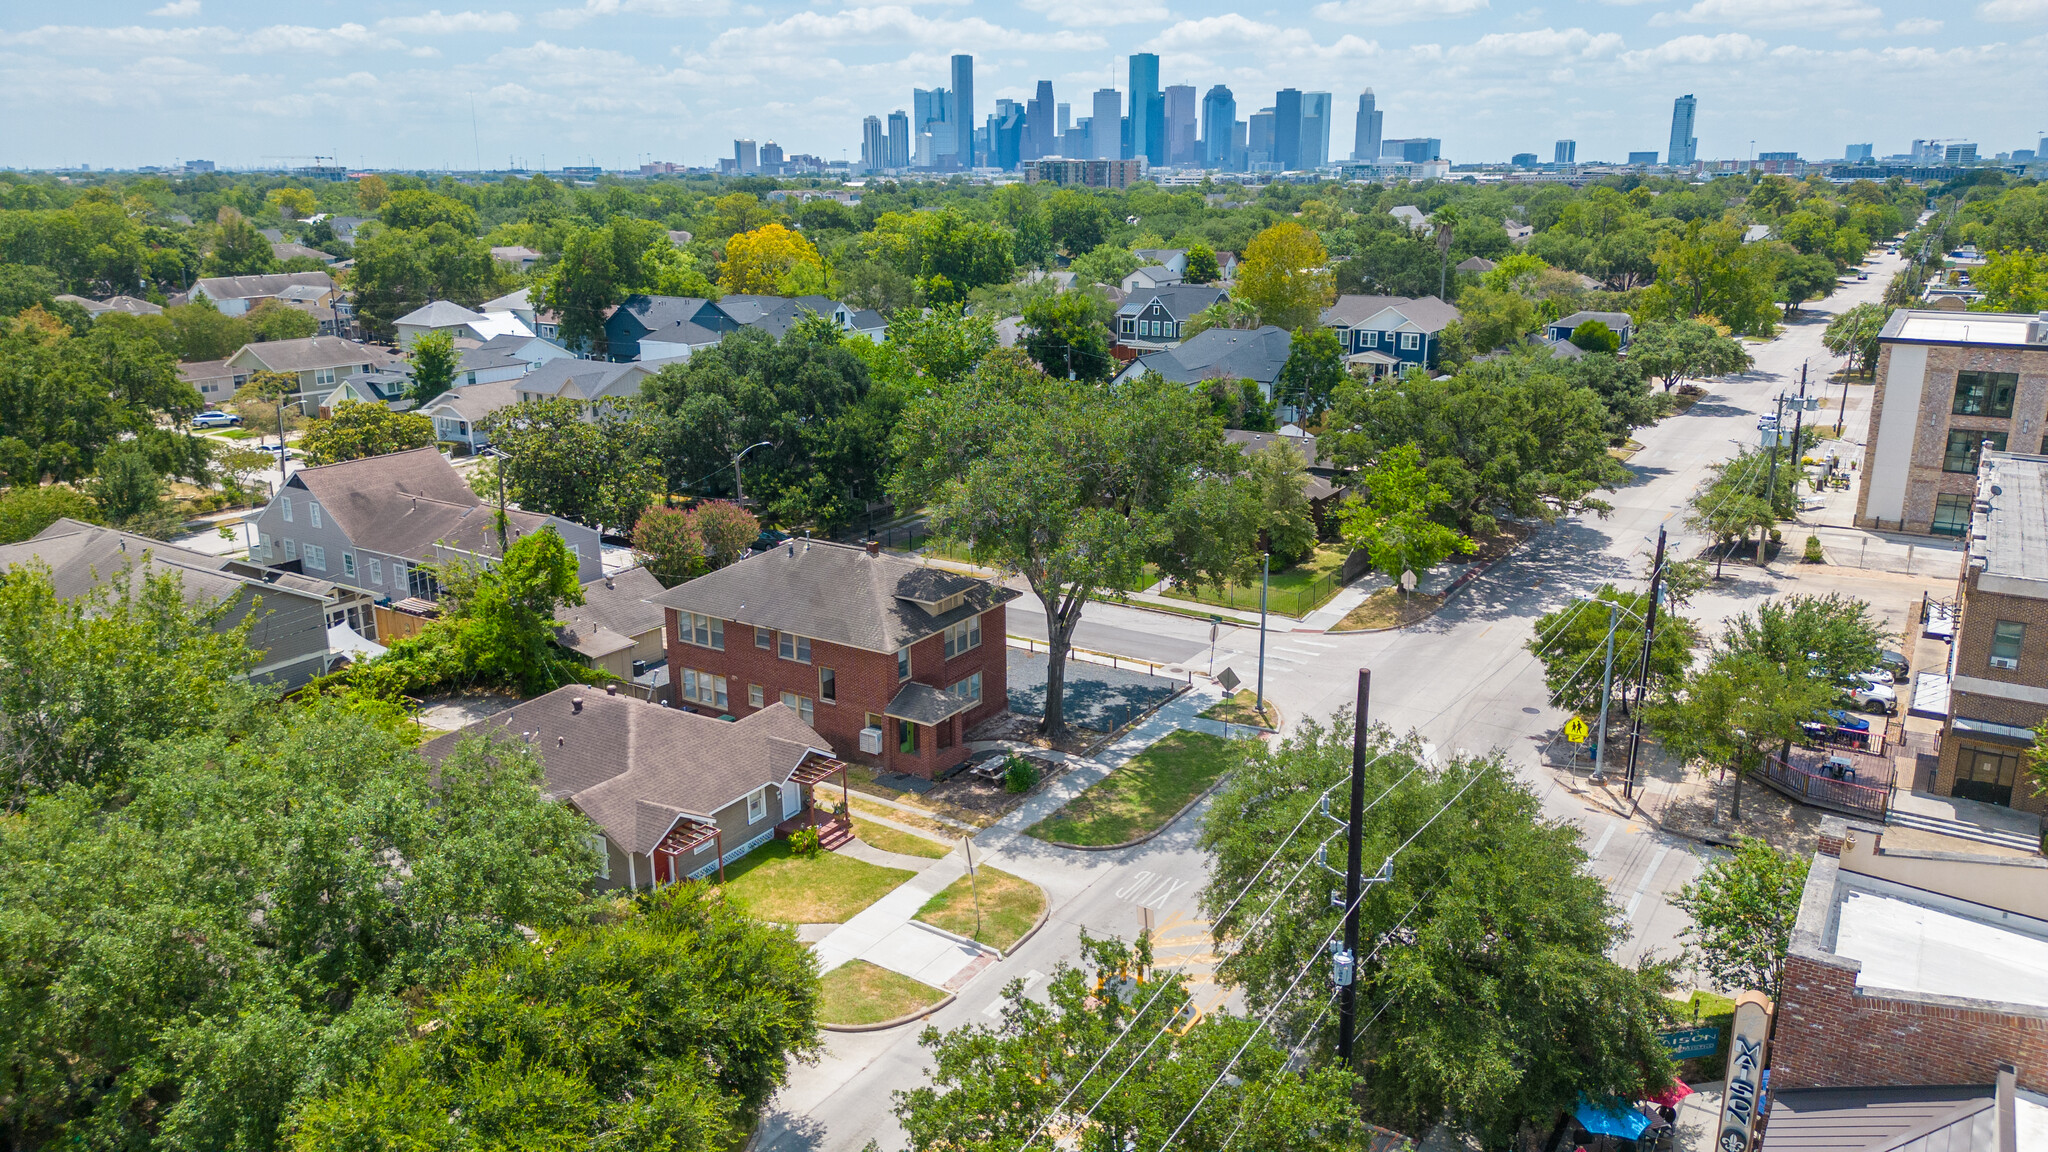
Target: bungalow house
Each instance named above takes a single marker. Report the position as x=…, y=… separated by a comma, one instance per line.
x=1620, y=323
x=616, y=629
x=1415, y=218
x=459, y=413
x=448, y=316
x=215, y=382
x=127, y=305
x=290, y=632
x=371, y=524
x=1151, y=319
x=1389, y=333
x=506, y=357
x=892, y=662
x=1323, y=489
x=1476, y=264
x=319, y=303
x=645, y=327
x=1174, y=260
x=235, y=295
x=674, y=796
x=293, y=250
x=519, y=304
x=1220, y=354
x=590, y=380
x=522, y=259
x=1147, y=278
x=391, y=389
x=319, y=362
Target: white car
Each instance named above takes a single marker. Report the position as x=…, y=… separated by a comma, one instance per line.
x=1873, y=696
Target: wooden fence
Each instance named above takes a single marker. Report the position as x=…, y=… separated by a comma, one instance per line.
x=1824, y=791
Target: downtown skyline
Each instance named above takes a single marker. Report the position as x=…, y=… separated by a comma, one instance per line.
x=618, y=82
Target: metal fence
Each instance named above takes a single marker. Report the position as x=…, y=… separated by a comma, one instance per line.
x=1295, y=602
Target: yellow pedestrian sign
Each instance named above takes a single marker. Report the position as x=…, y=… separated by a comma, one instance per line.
x=1575, y=730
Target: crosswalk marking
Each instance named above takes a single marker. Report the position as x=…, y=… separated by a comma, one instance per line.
x=995, y=1010
x=1643, y=885
x=1601, y=845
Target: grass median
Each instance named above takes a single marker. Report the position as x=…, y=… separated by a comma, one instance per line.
x=1140, y=797
x=858, y=992
x=829, y=888
x=1239, y=708
x=1010, y=905
x=898, y=841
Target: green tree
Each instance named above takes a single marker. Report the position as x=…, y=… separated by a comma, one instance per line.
x=1829, y=637
x=726, y=529
x=416, y=209
x=262, y=401
x=668, y=545
x=1284, y=273
x=1104, y=264
x=1314, y=369
x=1079, y=1062
x=1596, y=336
x=1741, y=911
x=204, y=333
x=1018, y=207
x=237, y=248
x=1077, y=486
x=294, y=203
x=1732, y=501
x=400, y=269
x=1201, y=266
x=356, y=430
x=1280, y=476
x=129, y=492
x=273, y=321
x=1238, y=314
x=597, y=269
x=1488, y=946
x=1853, y=334
x=1493, y=318
x=1728, y=711
x=1392, y=521
x=1707, y=272
x=521, y=1052
x=433, y=366
x=1570, y=641
x=586, y=463
x=1078, y=222
x=25, y=510
x=1065, y=337
x=1803, y=278
x=2014, y=281
x=1677, y=350
x=1622, y=391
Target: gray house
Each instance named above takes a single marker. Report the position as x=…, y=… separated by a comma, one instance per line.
x=1221, y=354
x=291, y=612
x=371, y=523
x=1151, y=319
x=675, y=795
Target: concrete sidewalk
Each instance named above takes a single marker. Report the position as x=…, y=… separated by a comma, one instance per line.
x=882, y=933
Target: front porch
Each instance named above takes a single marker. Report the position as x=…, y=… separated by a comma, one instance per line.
x=834, y=830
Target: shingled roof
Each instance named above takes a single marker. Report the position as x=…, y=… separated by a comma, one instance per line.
x=839, y=593
x=404, y=503
x=636, y=768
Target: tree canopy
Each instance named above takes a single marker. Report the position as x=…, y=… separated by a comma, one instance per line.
x=358, y=429
x=588, y=463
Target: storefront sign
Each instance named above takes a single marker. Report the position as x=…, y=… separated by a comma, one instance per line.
x=1687, y=1043
x=1746, y=1052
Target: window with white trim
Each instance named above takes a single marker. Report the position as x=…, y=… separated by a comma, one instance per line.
x=376, y=570
x=598, y=845
x=757, y=806
x=313, y=512
x=703, y=688
x=291, y=550
x=703, y=631
x=323, y=376
x=316, y=557
x=828, y=685
x=903, y=663
x=963, y=636
x=348, y=564
x=269, y=543
x=1410, y=341
x=794, y=647
x=969, y=688
x=764, y=638
x=801, y=705
x=285, y=502
x=756, y=696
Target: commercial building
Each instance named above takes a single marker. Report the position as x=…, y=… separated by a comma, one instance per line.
x=1084, y=173
x=1219, y=124
x=1317, y=110
x=1148, y=110
x=1365, y=144
x=1949, y=384
x=1566, y=152
x=1104, y=136
x=1181, y=145
x=961, y=114
x=1684, y=147
x=899, y=139
x=1040, y=122
x=1642, y=159
x=1287, y=129
x=1858, y=154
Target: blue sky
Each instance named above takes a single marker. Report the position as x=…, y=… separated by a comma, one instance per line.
x=385, y=84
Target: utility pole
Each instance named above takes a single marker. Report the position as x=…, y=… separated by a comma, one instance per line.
x=1635, y=735
x=1606, y=690
x=1354, y=867
x=1771, y=483
x=1265, y=567
x=1798, y=440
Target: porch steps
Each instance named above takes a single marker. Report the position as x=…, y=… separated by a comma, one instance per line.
x=1962, y=830
x=834, y=835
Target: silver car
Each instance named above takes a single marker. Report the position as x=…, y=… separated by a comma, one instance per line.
x=1870, y=694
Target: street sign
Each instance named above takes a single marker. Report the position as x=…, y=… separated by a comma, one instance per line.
x=1686, y=1043
x=1229, y=680
x=1408, y=580
x=1575, y=730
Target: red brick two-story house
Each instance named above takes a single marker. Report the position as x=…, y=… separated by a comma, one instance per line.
x=890, y=661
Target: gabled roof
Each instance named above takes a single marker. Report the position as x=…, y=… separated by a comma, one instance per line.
x=654, y=313
x=439, y=314
x=1425, y=313
x=1158, y=255
x=1180, y=300
x=251, y=287
x=405, y=503
x=588, y=379
x=635, y=768
x=839, y=593
x=473, y=402
x=310, y=352
x=618, y=605
x=510, y=302
x=1614, y=320
x=868, y=320
x=304, y=293
x=196, y=370
x=291, y=249
x=776, y=315
x=514, y=253
x=1476, y=264
x=83, y=556
x=1223, y=353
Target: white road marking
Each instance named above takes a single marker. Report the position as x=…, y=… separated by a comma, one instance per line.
x=995, y=1010
x=1296, y=651
x=1313, y=644
x=1600, y=845
x=1643, y=885
x=1149, y=889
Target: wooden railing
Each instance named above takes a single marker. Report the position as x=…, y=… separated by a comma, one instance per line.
x=1824, y=791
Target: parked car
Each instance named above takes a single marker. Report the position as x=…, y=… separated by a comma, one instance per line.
x=1895, y=665
x=1873, y=697
x=212, y=418
x=1838, y=727
x=280, y=450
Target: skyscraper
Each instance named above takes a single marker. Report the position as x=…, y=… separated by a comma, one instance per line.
x=1006, y=135
x=1287, y=129
x=744, y=158
x=1039, y=119
x=1148, y=109
x=1315, y=129
x=1219, y=119
x=1860, y=152
x=1180, y=125
x=1567, y=152
x=963, y=107
x=1366, y=143
x=1066, y=115
x=899, y=139
x=1105, y=129
x=930, y=114
x=1259, y=138
x=874, y=145
x=1685, y=147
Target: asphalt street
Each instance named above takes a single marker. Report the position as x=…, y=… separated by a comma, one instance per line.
x=1462, y=680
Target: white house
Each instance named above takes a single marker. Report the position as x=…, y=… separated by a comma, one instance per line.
x=448, y=316
x=235, y=295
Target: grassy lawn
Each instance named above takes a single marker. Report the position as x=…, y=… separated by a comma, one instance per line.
x=1142, y=795
x=893, y=840
x=1389, y=608
x=1712, y=1012
x=858, y=992
x=1293, y=591
x=237, y=433
x=774, y=885
x=1010, y=905
x=1238, y=709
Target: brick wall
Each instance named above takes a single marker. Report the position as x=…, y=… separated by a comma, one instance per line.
x=865, y=682
x=1981, y=612
x=2024, y=429
x=1830, y=1036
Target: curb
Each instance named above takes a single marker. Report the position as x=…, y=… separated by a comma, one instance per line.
x=1043, y=916
x=1464, y=578
x=1170, y=822
x=957, y=938
x=898, y=1022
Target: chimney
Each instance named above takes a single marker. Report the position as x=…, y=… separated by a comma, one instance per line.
x=612, y=689
x=874, y=547
x=560, y=740
x=576, y=704
x=608, y=585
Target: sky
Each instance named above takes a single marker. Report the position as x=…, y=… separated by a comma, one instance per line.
x=381, y=84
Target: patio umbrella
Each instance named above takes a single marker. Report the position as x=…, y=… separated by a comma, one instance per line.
x=1679, y=1090
x=1626, y=1123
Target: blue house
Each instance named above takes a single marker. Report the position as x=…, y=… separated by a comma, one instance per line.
x=1561, y=328
x=1389, y=333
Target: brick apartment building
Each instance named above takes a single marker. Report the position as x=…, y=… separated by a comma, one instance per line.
x=1998, y=683
x=890, y=661
x=1947, y=382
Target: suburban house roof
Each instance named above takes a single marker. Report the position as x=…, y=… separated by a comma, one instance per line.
x=405, y=503
x=840, y=593
x=1410, y=215
x=1614, y=320
x=291, y=250
x=310, y=352
x=590, y=379
x=614, y=611
x=133, y=305
x=1423, y=313
x=510, y=302
x=1222, y=353
x=83, y=556
x=304, y=294
x=196, y=370
x=776, y=315
x=514, y=254
x=1476, y=264
x=251, y=287
x=1159, y=255
x=473, y=402
x=439, y=314
x=1319, y=487
x=1181, y=300
x=637, y=768
x=924, y=704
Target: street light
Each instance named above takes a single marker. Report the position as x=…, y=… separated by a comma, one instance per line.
x=739, y=494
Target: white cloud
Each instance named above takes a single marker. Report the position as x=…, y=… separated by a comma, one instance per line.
x=1228, y=30
x=592, y=9
x=294, y=38
x=1395, y=11
x=177, y=8
x=1775, y=13
x=1544, y=44
x=1727, y=48
x=889, y=25
x=1095, y=14
x=2012, y=11
x=435, y=23
x=1921, y=26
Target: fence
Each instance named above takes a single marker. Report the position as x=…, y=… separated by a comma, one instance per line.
x=1825, y=791
x=1106, y=658
x=1295, y=602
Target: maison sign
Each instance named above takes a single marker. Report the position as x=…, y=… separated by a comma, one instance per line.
x=1748, y=1037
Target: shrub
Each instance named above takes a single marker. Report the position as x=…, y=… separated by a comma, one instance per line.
x=1019, y=775
x=803, y=844
x=1813, y=553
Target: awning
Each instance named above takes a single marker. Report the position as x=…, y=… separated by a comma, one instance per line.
x=1930, y=696
x=1993, y=731
x=1378, y=359
x=1627, y=1123
x=344, y=640
x=924, y=704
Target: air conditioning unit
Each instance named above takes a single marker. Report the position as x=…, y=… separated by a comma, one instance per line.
x=871, y=741
x=2004, y=662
